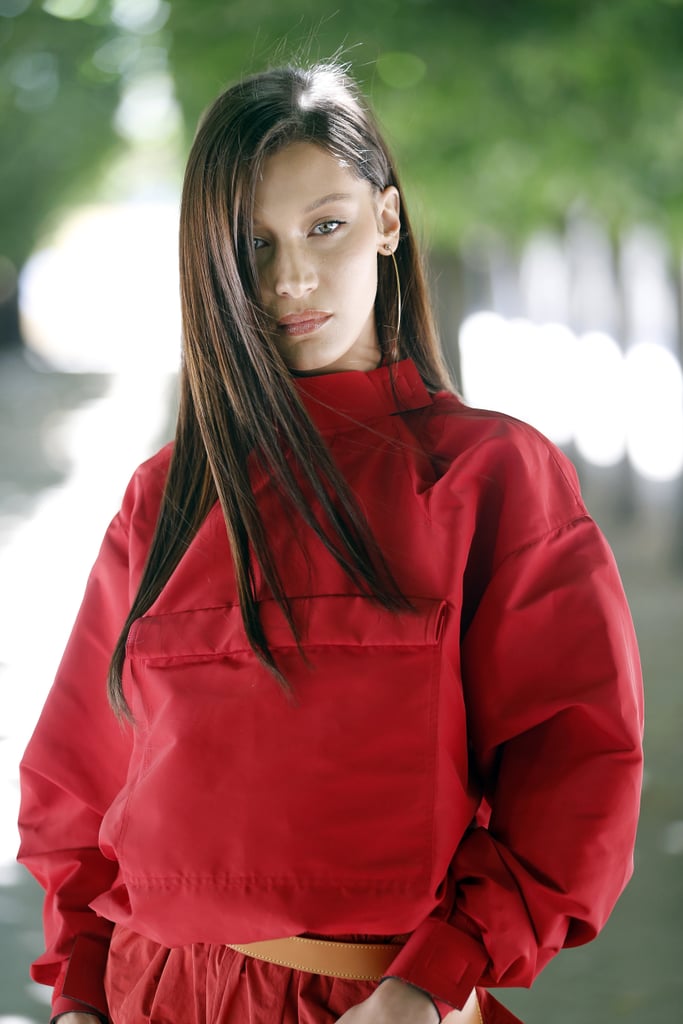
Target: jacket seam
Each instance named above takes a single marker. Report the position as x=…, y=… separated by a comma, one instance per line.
x=229, y=652
x=239, y=881
x=534, y=542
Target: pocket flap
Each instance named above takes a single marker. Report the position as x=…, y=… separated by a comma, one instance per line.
x=324, y=621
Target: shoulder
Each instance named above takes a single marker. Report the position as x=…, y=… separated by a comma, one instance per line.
x=512, y=473
x=457, y=432
x=142, y=497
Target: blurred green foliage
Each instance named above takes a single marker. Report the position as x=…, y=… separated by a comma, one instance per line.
x=56, y=111
x=503, y=115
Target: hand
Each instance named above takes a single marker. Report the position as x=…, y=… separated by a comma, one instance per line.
x=393, y=1002
x=470, y=1013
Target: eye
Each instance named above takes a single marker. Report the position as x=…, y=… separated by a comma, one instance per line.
x=327, y=227
x=259, y=243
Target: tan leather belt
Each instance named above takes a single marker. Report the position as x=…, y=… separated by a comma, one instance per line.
x=358, y=961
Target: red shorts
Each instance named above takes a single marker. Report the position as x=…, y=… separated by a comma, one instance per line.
x=212, y=984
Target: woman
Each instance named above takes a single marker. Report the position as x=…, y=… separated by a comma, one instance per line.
x=377, y=685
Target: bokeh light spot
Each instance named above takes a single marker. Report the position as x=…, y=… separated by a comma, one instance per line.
x=36, y=79
x=401, y=70
x=104, y=296
x=582, y=389
x=12, y=8
x=599, y=428
x=654, y=385
x=148, y=110
x=143, y=16
x=69, y=10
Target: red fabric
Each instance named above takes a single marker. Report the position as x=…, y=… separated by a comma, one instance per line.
x=213, y=984
x=146, y=982
x=468, y=773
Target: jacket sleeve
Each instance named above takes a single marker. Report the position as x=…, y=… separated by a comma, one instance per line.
x=74, y=765
x=553, y=690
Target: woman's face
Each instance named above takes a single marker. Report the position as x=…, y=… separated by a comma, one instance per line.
x=317, y=232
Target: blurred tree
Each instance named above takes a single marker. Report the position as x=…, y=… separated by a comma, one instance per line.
x=503, y=115
x=62, y=67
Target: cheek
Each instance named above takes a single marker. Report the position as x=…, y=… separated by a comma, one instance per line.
x=356, y=273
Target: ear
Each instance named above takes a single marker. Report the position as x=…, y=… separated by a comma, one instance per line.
x=388, y=219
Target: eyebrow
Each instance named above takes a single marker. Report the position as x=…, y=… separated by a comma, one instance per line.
x=333, y=197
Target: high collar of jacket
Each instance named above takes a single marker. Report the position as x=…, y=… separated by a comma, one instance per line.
x=336, y=401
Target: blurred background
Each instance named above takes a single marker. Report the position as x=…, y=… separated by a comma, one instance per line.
x=541, y=146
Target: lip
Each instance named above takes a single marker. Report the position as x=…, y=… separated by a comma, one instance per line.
x=303, y=323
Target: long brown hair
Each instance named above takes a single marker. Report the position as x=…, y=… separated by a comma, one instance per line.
x=236, y=393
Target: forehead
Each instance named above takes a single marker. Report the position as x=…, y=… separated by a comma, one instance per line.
x=299, y=174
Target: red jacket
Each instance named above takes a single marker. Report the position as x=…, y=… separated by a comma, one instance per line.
x=232, y=813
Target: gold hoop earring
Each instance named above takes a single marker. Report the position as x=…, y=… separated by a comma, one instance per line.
x=398, y=296
x=390, y=252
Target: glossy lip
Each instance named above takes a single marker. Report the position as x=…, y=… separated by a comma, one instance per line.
x=303, y=323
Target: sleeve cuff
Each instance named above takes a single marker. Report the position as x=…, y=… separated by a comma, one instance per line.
x=62, y=1005
x=443, y=961
x=83, y=987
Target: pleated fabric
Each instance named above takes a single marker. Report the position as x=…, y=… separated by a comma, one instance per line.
x=209, y=983
x=212, y=984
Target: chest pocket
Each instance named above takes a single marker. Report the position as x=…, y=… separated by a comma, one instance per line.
x=334, y=781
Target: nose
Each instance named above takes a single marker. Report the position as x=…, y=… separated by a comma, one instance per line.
x=294, y=275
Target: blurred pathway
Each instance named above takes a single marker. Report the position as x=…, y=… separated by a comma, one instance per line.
x=68, y=445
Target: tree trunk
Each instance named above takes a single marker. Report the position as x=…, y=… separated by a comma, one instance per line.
x=448, y=290
x=677, y=510
x=10, y=330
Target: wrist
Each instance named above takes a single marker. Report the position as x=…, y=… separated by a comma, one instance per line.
x=396, y=989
